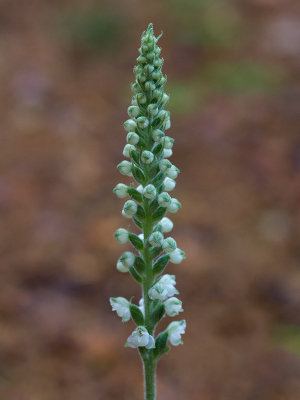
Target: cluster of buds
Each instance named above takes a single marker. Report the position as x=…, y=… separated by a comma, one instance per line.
x=147, y=152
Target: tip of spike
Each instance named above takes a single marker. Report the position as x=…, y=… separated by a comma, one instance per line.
x=150, y=27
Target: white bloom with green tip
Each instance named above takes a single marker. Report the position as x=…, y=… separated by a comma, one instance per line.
x=140, y=189
x=142, y=122
x=140, y=338
x=127, y=149
x=175, y=330
x=166, y=225
x=152, y=109
x=127, y=258
x=165, y=165
x=169, y=245
x=172, y=172
x=177, y=256
x=168, y=142
x=167, y=153
x=169, y=184
x=121, y=267
x=156, y=239
x=125, y=167
x=164, y=199
x=157, y=135
x=132, y=138
x=133, y=111
x=164, y=288
x=174, y=206
x=121, y=190
x=129, y=209
x=122, y=307
x=147, y=157
x=173, y=306
x=121, y=235
x=130, y=125
x=149, y=191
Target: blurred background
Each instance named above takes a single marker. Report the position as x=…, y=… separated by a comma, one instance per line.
x=233, y=77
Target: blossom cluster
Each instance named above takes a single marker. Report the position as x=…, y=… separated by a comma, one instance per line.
x=147, y=154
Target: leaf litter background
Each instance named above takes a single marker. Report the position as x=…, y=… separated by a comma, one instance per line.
x=233, y=76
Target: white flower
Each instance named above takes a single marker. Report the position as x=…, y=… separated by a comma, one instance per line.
x=167, y=153
x=177, y=256
x=164, y=199
x=130, y=125
x=157, y=135
x=121, y=235
x=125, y=167
x=174, y=206
x=141, y=236
x=173, y=306
x=169, y=245
x=156, y=239
x=172, y=172
x=140, y=338
x=142, y=122
x=129, y=209
x=122, y=267
x=121, y=190
x=127, y=258
x=147, y=157
x=168, y=142
x=164, y=288
x=166, y=225
x=149, y=191
x=141, y=305
x=152, y=109
x=165, y=165
x=140, y=189
x=133, y=111
x=122, y=307
x=169, y=184
x=132, y=138
x=175, y=330
x=127, y=149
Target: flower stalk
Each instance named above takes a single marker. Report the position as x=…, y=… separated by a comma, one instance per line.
x=147, y=150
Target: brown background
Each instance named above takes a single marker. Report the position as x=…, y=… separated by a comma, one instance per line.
x=65, y=70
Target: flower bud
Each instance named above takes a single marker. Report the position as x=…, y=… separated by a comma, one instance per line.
x=152, y=109
x=129, y=209
x=175, y=330
x=169, y=245
x=168, y=142
x=122, y=307
x=157, y=135
x=127, y=149
x=165, y=166
x=148, y=68
x=158, y=62
x=167, y=153
x=125, y=167
x=127, y=258
x=167, y=124
x=166, y=225
x=121, y=235
x=169, y=184
x=172, y=172
x=157, y=94
x=147, y=157
x=140, y=189
x=129, y=125
x=121, y=267
x=173, y=306
x=164, y=199
x=165, y=99
x=141, y=77
x=141, y=98
x=141, y=60
x=177, y=256
x=120, y=190
x=162, y=81
x=156, y=75
x=174, y=206
x=150, y=55
x=140, y=338
x=150, y=85
x=156, y=239
x=135, y=87
x=132, y=138
x=149, y=191
x=164, y=288
x=133, y=111
x=142, y=122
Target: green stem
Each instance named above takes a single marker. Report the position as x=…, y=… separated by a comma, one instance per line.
x=149, y=378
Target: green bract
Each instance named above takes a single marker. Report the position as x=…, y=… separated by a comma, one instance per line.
x=153, y=175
